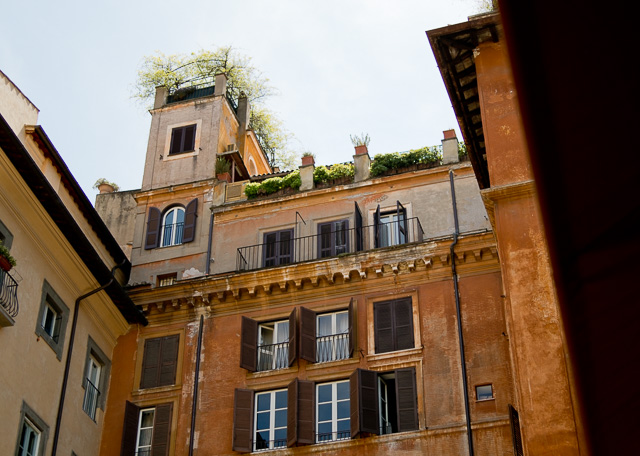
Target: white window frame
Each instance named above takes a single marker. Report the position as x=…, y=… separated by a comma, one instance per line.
x=31, y=429
x=50, y=327
x=344, y=434
x=272, y=428
x=92, y=387
x=339, y=342
x=383, y=406
x=145, y=450
x=280, y=334
x=196, y=145
x=174, y=230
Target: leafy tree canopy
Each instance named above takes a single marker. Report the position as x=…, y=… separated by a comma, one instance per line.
x=184, y=70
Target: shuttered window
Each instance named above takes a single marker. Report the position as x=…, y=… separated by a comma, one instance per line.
x=391, y=226
x=268, y=346
x=278, y=248
x=190, y=215
x=328, y=336
x=242, y=420
x=358, y=231
x=393, y=325
x=159, y=361
x=154, y=220
x=301, y=416
x=176, y=226
x=146, y=431
x=333, y=238
x=183, y=139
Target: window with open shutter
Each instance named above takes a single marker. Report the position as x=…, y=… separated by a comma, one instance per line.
x=364, y=402
x=190, y=215
x=393, y=325
x=242, y=420
x=161, y=430
x=358, y=231
x=249, y=344
x=129, y=429
x=333, y=238
x=300, y=409
x=153, y=228
x=159, y=361
x=183, y=139
x=278, y=248
x=406, y=399
x=307, y=334
x=293, y=337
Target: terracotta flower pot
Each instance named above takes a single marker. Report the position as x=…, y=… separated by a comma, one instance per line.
x=308, y=160
x=4, y=264
x=224, y=177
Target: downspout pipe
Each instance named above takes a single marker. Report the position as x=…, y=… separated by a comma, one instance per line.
x=67, y=366
x=463, y=363
x=194, y=405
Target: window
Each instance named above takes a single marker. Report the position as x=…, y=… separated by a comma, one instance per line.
x=147, y=431
x=333, y=411
x=159, y=361
x=386, y=402
x=32, y=433
x=95, y=380
x=390, y=226
x=269, y=345
x=165, y=280
x=52, y=319
x=393, y=325
x=328, y=336
x=5, y=235
x=333, y=238
x=172, y=227
x=183, y=139
x=484, y=392
x=270, y=420
x=176, y=226
x=278, y=248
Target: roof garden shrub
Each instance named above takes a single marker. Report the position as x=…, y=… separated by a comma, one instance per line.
x=323, y=174
x=396, y=160
x=273, y=184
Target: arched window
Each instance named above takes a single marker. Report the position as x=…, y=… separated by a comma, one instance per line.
x=172, y=227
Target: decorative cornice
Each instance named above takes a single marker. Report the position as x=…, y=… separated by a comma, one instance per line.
x=491, y=196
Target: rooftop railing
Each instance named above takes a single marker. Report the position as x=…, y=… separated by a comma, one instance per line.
x=329, y=244
x=8, y=294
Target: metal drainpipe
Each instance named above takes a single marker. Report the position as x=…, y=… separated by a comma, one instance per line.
x=67, y=365
x=463, y=363
x=195, y=386
x=207, y=266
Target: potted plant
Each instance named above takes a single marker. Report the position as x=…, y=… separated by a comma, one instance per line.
x=6, y=260
x=308, y=159
x=104, y=186
x=361, y=143
x=222, y=169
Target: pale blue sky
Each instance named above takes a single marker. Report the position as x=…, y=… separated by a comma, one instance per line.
x=341, y=68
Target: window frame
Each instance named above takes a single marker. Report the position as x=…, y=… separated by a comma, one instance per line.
x=273, y=411
x=279, y=359
x=182, y=148
x=478, y=398
x=166, y=155
x=50, y=299
x=333, y=249
x=175, y=226
x=278, y=257
x=94, y=352
x=335, y=419
x=6, y=236
x=164, y=421
x=29, y=417
x=164, y=359
x=379, y=339
x=309, y=334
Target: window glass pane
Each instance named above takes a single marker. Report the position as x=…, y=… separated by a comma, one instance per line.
x=283, y=331
x=281, y=399
x=324, y=412
x=280, y=437
x=484, y=392
x=263, y=420
x=324, y=393
x=343, y=390
x=266, y=335
x=344, y=425
x=343, y=409
x=264, y=402
x=179, y=215
x=324, y=430
x=145, y=437
x=342, y=323
x=147, y=419
x=281, y=418
x=323, y=326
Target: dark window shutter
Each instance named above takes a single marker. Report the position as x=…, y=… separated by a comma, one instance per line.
x=300, y=413
x=176, y=141
x=190, y=215
x=169, y=360
x=406, y=399
x=153, y=228
x=242, y=420
x=324, y=240
x=403, y=324
x=129, y=429
x=150, y=363
x=285, y=252
x=189, y=138
x=270, y=249
x=249, y=344
x=292, y=413
x=293, y=337
x=307, y=334
x=363, y=385
x=352, y=327
x=401, y=214
x=376, y=223
x=358, y=231
x=383, y=326
x=341, y=237
x=161, y=430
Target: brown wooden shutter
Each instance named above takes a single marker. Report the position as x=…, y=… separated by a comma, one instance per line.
x=293, y=337
x=153, y=228
x=363, y=386
x=249, y=344
x=300, y=413
x=376, y=226
x=161, y=430
x=307, y=334
x=129, y=429
x=168, y=360
x=242, y=420
x=352, y=327
x=403, y=324
x=383, y=326
x=150, y=363
x=190, y=216
x=406, y=399
x=292, y=413
x=176, y=141
x=357, y=215
x=189, y=138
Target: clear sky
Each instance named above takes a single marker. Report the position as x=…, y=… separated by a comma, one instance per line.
x=341, y=67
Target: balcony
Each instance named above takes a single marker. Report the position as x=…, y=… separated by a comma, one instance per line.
x=8, y=299
x=290, y=250
x=273, y=356
x=90, y=403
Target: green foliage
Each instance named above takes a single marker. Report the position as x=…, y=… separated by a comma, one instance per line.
x=320, y=174
x=222, y=166
x=323, y=174
x=200, y=68
x=4, y=251
x=273, y=184
x=462, y=151
x=362, y=140
x=425, y=155
x=102, y=180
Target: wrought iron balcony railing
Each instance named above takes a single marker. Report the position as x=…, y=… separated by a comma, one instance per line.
x=172, y=234
x=90, y=403
x=332, y=436
x=328, y=244
x=263, y=445
x=332, y=348
x=274, y=356
x=8, y=294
